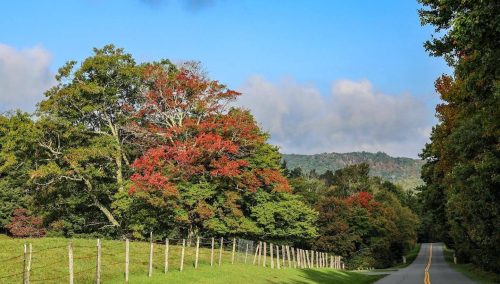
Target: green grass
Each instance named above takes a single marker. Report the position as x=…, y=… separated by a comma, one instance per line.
x=50, y=265
x=411, y=256
x=471, y=271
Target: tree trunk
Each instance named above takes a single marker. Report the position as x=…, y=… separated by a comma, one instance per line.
x=99, y=205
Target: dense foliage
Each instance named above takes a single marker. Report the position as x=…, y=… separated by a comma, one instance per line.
x=121, y=149
x=366, y=220
x=23, y=225
x=461, y=195
x=401, y=171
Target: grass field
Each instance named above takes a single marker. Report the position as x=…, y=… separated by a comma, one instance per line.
x=50, y=264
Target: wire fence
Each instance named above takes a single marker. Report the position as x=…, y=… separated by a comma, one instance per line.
x=78, y=262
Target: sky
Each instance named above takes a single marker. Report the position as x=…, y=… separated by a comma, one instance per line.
x=319, y=76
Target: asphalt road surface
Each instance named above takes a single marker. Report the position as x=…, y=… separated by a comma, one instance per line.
x=427, y=268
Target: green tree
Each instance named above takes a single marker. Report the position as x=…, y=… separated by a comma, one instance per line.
x=463, y=156
x=86, y=115
x=18, y=153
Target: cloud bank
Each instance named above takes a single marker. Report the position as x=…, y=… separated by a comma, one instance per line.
x=24, y=76
x=354, y=117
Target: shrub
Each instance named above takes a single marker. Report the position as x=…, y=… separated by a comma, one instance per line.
x=23, y=225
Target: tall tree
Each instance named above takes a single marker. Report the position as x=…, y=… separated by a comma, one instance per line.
x=18, y=152
x=212, y=164
x=92, y=105
x=463, y=157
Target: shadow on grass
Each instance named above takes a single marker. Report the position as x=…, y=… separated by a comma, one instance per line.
x=331, y=276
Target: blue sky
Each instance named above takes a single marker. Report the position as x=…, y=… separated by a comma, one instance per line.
x=310, y=48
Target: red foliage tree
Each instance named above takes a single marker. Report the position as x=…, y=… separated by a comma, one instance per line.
x=363, y=199
x=193, y=136
x=23, y=225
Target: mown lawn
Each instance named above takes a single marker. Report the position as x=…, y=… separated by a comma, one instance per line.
x=50, y=264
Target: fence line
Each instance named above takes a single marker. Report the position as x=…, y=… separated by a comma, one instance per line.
x=159, y=255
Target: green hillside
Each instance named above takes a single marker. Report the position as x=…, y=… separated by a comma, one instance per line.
x=402, y=171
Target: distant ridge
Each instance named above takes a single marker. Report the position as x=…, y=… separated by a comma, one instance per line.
x=402, y=171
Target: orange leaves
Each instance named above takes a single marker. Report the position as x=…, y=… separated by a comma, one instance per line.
x=148, y=174
x=214, y=143
x=363, y=199
x=196, y=137
x=227, y=168
x=271, y=177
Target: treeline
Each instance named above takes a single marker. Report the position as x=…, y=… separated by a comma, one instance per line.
x=369, y=221
x=461, y=197
x=121, y=149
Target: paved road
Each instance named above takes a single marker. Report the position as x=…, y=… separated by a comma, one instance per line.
x=439, y=272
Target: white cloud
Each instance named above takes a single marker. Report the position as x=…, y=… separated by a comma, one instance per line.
x=24, y=76
x=354, y=117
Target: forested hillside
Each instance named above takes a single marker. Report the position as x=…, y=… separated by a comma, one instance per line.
x=402, y=171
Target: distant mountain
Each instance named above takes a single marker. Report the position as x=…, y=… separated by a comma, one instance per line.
x=402, y=171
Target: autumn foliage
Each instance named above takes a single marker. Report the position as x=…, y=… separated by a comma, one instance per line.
x=23, y=225
x=196, y=135
x=201, y=158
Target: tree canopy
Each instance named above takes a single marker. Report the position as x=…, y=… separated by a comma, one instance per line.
x=462, y=160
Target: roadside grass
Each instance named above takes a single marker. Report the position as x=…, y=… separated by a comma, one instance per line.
x=410, y=256
x=472, y=272
x=50, y=264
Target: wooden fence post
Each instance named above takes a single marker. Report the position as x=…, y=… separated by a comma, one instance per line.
x=283, y=256
x=127, y=258
x=265, y=255
x=28, y=269
x=260, y=253
x=220, y=250
x=256, y=252
x=246, y=253
x=150, y=267
x=24, y=263
x=167, y=247
x=297, y=257
x=289, y=258
x=331, y=261
x=271, y=255
x=212, y=253
x=182, y=254
x=197, y=252
x=302, y=259
x=294, y=260
x=98, y=263
x=70, y=262
x=278, y=257
x=234, y=250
